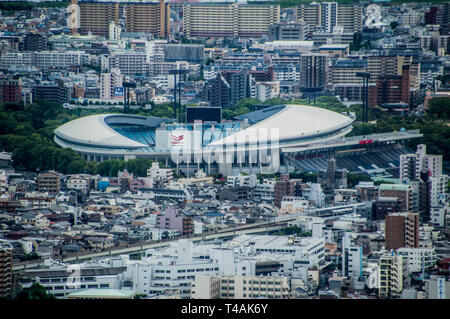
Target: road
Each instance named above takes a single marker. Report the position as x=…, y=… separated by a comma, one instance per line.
x=262, y=227
x=240, y=230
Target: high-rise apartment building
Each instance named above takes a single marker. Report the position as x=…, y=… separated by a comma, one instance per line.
x=218, y=91
x=95, y=16
x=309, y=13
x=391, y=89
x=392, y=275
x=352, y=257
x=350, y=16
x=223, y=20
x=286, y=187
x=35, y=42
x=393, y=79
x=109, y=81
x=343, y=77
x=50, y=92
x=401, y=191
x=409, y=166
x=10, y=89
x=140, y=16
x=402, y=230
x=288, y=31
x=49, y=182
x=151, y=17
x=6, y=250
x=433, y=15
x=239, y=287
x=412, y=164
x=313, y=70
x=243, y=86
x=327, y=15
x=229, y=87
x=427, y=170
x=173, y=219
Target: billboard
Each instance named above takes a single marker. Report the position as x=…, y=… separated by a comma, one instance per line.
x=441, y=293
x=176, y=138
x=168, y=140
x=118, y=92
x=204, y=114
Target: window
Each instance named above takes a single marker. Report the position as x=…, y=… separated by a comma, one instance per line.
x=104, y=285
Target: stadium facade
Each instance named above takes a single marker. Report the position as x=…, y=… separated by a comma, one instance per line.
x=252, y=142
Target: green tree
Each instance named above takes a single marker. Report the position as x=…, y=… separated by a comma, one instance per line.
x=36, y=291
x=439, y=108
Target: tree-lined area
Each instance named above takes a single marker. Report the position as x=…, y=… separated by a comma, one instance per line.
x=28, y=132
x=10, y=7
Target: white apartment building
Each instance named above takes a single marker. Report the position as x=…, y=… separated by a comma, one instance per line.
x=173, y=268
x=288, y=73
x=309, y=224
x=439, y=190
x=267, y=90
x=418, y=259
x=352, y=257
x=265, y=190
x=157, y=173
x=78, y=183
x=44, y=59
x=413, y=18
x=303, y=252
x=205, y=287
x=62, y=60
x=241, y=180
x=439, y=215
x=109, y=81
x=16, y=59
x=238, y=287
x=162, y=68
x=3, y=181
x=61, y=280
x=129, y=63
x=392, y=275
x=114, y=31
x=294, y=202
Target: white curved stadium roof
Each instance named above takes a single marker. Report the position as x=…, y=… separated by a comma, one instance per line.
x=292, y=122
x=93, y=130
x=293, y=125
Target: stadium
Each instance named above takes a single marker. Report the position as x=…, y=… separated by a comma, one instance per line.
x=264, y=141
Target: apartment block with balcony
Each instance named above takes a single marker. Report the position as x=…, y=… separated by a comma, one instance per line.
x=392, y=275
x=227, y=20
x=402, y=230
x=49, y=182
x=6, y=250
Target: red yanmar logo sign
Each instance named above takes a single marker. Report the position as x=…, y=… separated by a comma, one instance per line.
x=176, y=139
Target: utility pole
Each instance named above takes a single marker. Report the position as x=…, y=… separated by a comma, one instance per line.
x=175, y=104
x=365, y=95
x=126, y=95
